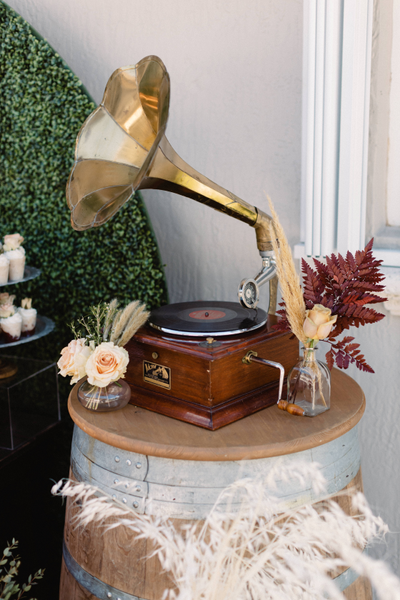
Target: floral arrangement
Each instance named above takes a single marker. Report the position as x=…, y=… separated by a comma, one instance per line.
x=334, y=298
x=97, y=350
x=255, y=548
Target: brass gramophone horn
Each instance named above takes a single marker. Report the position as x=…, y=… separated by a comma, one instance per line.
x=122, y=148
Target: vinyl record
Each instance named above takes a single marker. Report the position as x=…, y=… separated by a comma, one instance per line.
x=206, y=318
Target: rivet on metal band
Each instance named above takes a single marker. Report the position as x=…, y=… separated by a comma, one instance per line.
x=95, y=586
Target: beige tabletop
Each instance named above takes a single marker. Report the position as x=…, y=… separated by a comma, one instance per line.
x=269, y=432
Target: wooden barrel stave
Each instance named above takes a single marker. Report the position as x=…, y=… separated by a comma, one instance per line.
x=115, y=559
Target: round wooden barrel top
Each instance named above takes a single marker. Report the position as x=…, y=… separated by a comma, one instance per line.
x=269, y=432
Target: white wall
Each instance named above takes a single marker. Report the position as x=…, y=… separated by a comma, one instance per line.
x=380, y=427
x=235, y=70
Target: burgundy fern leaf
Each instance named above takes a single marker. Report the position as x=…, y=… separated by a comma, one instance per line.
x=369, y=286
x=345, y=285
x=344, y=354
x=330, y=359
x=323, y=274
x=338, y=357
x=283, y=323
x=342, y=343
x=313, y=287
x=351, y=347
x=351, y=262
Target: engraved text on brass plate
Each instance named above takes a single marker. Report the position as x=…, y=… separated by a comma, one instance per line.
x=157, y=374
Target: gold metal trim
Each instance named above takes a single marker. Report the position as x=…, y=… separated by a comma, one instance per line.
x=156, y=374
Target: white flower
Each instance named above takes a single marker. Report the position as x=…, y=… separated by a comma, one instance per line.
x=73, y=359
x=106, y=364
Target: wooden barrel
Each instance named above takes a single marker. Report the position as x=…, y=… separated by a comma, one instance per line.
x=138, y=456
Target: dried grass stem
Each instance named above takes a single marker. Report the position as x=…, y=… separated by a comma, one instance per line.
x=288, y=279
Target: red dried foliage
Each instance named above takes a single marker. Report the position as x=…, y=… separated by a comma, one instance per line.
x=346, y=286
x=344, y=352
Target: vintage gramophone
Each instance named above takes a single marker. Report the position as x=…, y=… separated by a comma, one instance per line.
x=192, y=362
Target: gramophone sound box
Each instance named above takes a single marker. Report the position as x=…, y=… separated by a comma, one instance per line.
x=195, y=362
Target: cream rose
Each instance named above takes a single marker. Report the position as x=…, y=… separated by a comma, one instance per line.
x=107, y=363
x=73, y=359
x=12, y=242
x=318, y=322
x=7, y=310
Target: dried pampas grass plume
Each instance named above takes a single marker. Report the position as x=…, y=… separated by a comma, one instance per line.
x=288, y=279
x=108, y=321
x=252, y=546
x=127, y=322
x=138, y=318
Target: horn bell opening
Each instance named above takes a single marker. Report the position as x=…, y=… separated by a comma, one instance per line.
x=124, y=131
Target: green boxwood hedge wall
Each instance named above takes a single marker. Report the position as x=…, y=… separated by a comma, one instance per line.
x=42, y=106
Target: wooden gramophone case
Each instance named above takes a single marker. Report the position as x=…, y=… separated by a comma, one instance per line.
x=207, y=384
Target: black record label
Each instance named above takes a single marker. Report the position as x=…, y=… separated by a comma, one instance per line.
x=207, y=318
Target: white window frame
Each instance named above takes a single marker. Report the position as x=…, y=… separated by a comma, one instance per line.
x=393, y=172
x=337, y=42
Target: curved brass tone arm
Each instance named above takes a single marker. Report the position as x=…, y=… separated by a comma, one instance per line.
x=169, y=172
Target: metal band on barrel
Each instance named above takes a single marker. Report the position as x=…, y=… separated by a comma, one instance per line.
x=184, y=489
x=106, y=592
x=95, y=586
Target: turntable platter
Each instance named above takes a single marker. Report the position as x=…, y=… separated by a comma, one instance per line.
x=206, y=318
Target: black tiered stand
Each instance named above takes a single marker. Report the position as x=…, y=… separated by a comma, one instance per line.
x=21, y=420
x=44, y=325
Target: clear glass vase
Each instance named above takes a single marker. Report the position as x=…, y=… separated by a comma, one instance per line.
x=309, y=384
x=115, y=395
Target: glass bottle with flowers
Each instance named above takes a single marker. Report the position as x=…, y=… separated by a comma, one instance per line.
x=334, y=299
x=98, y=352
x=309, y=382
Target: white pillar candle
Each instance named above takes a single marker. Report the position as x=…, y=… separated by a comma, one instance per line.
x=28, y=320
x=17, y=264
x=4, y=268
x=11, y=327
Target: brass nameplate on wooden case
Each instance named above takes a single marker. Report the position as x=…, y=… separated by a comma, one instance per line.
x=156, y=374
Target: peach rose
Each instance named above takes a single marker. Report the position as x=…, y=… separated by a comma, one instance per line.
x=318, y=322
x=73, y=359
x=12, y=242
x=107, y=363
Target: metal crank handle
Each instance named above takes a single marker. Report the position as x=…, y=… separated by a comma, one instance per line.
x=251, y=356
